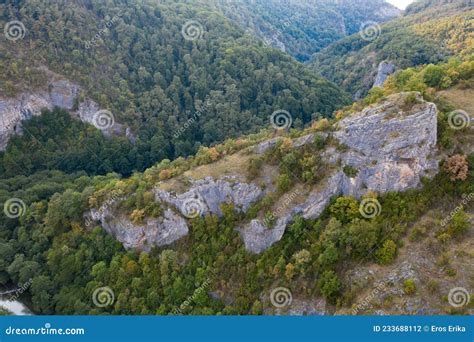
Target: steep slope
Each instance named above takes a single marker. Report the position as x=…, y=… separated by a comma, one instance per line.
x=157, y=65
x=430, y=34
x=302, y=28
x=322, y=212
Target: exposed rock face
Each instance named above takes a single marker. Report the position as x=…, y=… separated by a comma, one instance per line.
x=385, y=69
x=61, y=93
x=210, y=194
x=155, y=232
x=266, y=145
x=390, y=148
x=13, y=111
x=258, y=238
x=171, y=226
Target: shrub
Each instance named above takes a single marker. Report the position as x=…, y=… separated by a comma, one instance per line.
x=417, y=233
x=457, y=168
x=410, y=287
x=165, y=174
x=387, y=253
x=137, y=216
x=345, y=209
x=459, y=224
x=433, y=75
x=254, y=167
x=283, y=183
x=410, y=100
x=319, y=141
x=350, y=171
x=329, y=285
x=433, y=286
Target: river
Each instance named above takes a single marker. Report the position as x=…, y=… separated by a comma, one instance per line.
x=14, y=306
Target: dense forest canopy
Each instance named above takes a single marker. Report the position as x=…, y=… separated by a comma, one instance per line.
x=302, y=28
x=154, y=79
x=145, y=71
x=443, y=30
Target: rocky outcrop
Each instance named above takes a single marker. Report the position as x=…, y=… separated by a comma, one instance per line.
x=385, y=69
x=386, y=147
x=390, y=145
x=61, y=93
x=154, y=232
x=207, y=195
x=204, y=197
x=390, y=148
x=258, y=237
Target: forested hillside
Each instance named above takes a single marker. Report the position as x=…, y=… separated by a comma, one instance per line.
x=155, y=64
x=216, y=202
x=67, y=259
x=430, y=32
x=302, y=28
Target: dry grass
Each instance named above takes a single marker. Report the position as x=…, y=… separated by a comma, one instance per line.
x=460, y=98
x=232, y=165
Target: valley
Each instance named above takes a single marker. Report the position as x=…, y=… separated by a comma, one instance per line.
x=225, y=158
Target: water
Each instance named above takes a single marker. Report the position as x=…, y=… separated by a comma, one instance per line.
x=14, y=306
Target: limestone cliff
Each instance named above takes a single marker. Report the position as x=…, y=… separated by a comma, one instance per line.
x=385, y=69
x=61, y=93
x=388, y=147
